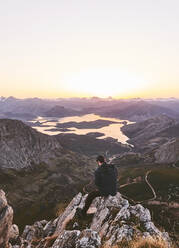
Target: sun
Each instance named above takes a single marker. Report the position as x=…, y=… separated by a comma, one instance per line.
x=104, y=82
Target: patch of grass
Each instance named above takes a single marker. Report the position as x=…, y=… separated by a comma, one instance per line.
x=141, y=243
x=60, y=207
x=162, y=178
x=149, y=243
x=137, y=191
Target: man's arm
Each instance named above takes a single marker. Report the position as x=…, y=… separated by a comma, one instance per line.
x=116, y=176
x=116, y=172
x=97, y=178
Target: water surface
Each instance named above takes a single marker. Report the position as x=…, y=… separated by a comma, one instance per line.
x=113, y=130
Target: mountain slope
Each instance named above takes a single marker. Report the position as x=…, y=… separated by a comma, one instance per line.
x=171, y=132
x=140, y=133
x=60, y=111
x=168, y=152
x=90, y=146
x=138, y=111
x=36, y=171
x=21, y=146
x=157, y=137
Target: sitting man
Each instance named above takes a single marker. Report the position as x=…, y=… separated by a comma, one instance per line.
x=105, y=181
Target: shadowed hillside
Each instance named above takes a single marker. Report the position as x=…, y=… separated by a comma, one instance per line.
x=37, y=172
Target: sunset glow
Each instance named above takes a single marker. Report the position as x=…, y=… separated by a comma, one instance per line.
x=84, y=48
x=104, y=83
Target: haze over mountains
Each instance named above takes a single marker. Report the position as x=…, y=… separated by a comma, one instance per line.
x=131, y=109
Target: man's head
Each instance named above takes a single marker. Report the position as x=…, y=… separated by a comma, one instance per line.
x=100, y=160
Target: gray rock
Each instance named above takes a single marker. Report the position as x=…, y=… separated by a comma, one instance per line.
x=151, y=229
x=50, y=227
x=123, y=214
x=88, y=239
x=3, y=201
x=68, y=214
x=117, y=234
x=142, y=213
x=67, y=239
x=14, y=232
x=34, y=232
x=6, y=217
x=114, y=220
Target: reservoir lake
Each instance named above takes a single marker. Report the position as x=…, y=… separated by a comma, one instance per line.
x=112, y=130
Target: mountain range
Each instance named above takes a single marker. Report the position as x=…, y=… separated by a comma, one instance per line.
x=131, y=109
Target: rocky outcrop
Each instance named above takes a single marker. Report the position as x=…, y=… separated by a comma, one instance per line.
x=109, y=221
x=6, y=217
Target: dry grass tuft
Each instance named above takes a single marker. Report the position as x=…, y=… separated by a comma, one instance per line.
x=48, y=241
x=60, y=208
x=142, y=243
x=150, y=243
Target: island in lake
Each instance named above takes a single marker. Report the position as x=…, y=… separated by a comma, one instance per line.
x=86, y=124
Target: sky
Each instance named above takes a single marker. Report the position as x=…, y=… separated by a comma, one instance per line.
x=83, y=48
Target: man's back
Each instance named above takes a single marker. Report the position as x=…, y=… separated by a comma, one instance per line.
x=106, y=179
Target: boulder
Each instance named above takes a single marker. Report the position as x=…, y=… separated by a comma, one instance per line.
x=14, y=233
x=6, y=217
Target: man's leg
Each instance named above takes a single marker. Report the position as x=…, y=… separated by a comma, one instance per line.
x=91, y=196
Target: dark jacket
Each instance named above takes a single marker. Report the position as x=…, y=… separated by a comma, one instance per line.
x=106, y=179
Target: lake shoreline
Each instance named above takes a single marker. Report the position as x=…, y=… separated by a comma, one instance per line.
x=82, y=125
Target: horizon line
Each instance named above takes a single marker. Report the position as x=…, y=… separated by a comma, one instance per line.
x=90, y=97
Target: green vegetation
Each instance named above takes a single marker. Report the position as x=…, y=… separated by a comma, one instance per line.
x=130, y=173
x=35, y=192
x=137, y=191
x=166, y=183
